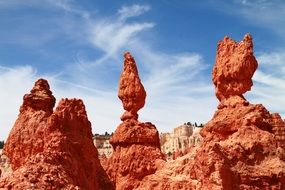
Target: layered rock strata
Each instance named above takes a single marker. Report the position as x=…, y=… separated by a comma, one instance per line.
x=278, y=129
x=179, y=141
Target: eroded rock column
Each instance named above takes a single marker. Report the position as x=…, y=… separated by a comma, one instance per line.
x=136, y=145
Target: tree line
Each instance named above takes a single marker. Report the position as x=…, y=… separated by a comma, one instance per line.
x=194, y=124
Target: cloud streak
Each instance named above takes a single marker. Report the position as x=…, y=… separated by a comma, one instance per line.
x=269, y=82
x=126, y=12
x=171, y=80
x=177, y=88
x=268, y=14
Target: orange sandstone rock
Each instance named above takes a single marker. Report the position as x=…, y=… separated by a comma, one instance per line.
x=61, y=156
x=131, y=90
x=241, y=143
x=278, y=129
x=25, y=138
x=240, y=149
x=136, y=145
x=234, y=67
x=134, y=132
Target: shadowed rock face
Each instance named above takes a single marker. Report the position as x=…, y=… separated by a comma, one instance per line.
x=136, y=145
x=234, y=67
x=131, y=90
x=53, y=150
x=242, y=146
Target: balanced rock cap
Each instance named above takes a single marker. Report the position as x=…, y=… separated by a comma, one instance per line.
x=131, y=91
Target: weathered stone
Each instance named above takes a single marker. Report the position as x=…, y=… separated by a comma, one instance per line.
x=234, y=67
x=26, y=136
x=136, y=145
x=131, y=91
x=59, y=153
x=278, y=127
x=241, y=143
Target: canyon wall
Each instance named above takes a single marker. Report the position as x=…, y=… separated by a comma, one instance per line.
x=180, y=140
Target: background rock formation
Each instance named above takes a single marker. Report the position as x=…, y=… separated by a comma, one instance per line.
x=136, y=145
x=180, y=140
x=241, y=148
x=59, y=152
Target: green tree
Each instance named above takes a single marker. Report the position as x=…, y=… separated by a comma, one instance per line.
x=189, y=123
x=107, y=134
x=169, y=154
x=1, y=144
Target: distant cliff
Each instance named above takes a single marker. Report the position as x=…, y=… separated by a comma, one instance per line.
x=180, y=140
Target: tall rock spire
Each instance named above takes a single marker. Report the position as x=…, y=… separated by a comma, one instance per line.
x=131, y=91
x=136, y=145
x=234, y=67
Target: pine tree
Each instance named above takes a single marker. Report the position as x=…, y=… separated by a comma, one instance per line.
x=1, y=144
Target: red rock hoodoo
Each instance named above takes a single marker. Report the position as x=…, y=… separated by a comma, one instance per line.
x=131, y=90
x=136, y=145
x=25, y=139
x=234, y=67
x=52, y=150
x=241, y=147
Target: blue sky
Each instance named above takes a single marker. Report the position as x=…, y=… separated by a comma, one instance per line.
x=78, y=46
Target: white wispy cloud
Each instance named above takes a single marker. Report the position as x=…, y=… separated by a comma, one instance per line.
x=171, y=80
x=268, y=14
x=177, y=89
x=17, y=81
x=126, y=12
x=274, y=62
x=261, y=4
x=111, y=37
x=14, y=83
x=66, y=5
x=115, y=33
x=269, y=81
